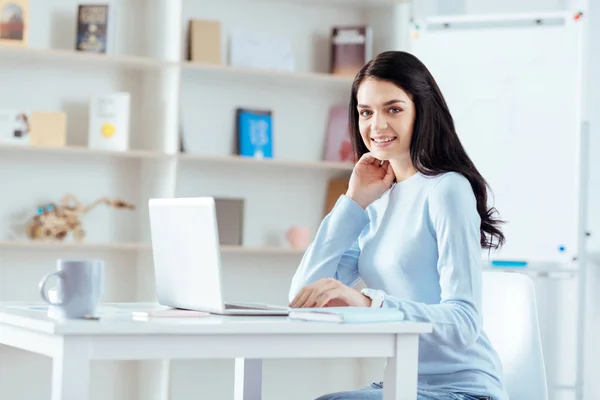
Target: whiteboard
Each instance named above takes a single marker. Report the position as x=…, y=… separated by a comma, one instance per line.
x=513, y=86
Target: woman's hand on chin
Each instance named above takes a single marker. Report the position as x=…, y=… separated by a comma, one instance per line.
x=370, y=179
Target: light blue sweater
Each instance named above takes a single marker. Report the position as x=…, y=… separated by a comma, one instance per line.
x=420, y=243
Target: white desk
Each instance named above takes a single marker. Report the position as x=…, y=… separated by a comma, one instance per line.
x=249, y=340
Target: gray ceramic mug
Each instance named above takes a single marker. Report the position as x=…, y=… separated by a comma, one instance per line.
x=79, y=288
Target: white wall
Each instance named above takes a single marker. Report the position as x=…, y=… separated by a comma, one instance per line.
x=557, y=298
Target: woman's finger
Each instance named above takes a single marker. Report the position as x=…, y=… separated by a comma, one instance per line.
x=301, y=296
x=389, y=175
x=328, y=296
x=368, y=158
x=319, y=291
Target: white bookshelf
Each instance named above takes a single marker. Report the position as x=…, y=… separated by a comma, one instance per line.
x=171, y=95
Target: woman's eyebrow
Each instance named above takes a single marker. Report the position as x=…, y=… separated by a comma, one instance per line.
x=387, y=103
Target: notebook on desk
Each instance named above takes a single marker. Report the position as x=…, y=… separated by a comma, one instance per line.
x=352, y=315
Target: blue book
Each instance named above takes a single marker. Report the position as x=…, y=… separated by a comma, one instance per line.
x=347, y=314
x=255, y=133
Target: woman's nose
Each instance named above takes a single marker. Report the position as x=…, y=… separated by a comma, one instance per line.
x=378, y=123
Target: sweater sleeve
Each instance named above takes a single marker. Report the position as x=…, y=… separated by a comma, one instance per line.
x=334, y=251
x=455, y=223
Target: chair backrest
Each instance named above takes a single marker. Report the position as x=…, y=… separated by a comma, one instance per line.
x=510, y=320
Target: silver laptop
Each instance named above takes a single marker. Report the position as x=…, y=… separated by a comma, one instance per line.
x=187, y=258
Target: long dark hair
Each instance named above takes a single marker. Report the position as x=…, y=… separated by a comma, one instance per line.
x=435, y=147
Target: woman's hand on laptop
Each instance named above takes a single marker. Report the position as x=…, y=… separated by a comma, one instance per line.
x=329, y=292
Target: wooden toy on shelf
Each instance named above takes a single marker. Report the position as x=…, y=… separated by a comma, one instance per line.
x=54, y=222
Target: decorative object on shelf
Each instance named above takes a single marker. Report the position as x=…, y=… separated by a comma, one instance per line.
x=335, y=188
x=109, y=121
x=14, y=22
x=260, y=51
x=351, y=48
x=92, y=28
x=204, y=41
x=230, y=220
x=14, y=126
x=254, y=130
x=55, y=221
x=48, y=129
x=338, y=146
x=298, y=237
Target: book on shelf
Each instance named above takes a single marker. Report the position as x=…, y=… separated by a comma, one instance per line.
x=204, y=41
x=109, y=121
x=14, y=22
x=338, y=146
x=351, y=48
x=351, y=315
x=230, y=220
x=92, y=28
x=254, y=130
x=335, y=188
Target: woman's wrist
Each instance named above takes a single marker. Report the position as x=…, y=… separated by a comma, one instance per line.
x=354, y=197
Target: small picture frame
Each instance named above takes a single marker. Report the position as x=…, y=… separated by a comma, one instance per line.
x=14, y=22
x=15, y=126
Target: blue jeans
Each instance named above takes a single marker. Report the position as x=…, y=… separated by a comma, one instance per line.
x=374, y=392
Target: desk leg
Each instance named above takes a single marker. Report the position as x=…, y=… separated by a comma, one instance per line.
x=71, y=370
x=248, y=379
x=400, y=377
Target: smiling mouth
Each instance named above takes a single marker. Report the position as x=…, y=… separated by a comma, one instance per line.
x=382, y=142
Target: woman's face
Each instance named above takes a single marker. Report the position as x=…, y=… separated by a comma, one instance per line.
x=386, y=116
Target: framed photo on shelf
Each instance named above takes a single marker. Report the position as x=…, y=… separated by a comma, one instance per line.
x=254, y=130
x=14, y=22
x=15, y=126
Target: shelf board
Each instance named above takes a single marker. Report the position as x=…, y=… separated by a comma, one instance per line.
x=347, y=3
x=261, y=250
x=270, y=76
x=28, y=54
x=80, y=150
x=235, y=159
x=72, y=57
x=43, y=245
x=124, y=246
x=137, y=154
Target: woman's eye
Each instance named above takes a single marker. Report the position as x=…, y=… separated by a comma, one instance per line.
x=395, y=110
x=365, y=113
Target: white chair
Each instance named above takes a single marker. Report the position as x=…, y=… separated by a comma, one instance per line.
x=510, y=320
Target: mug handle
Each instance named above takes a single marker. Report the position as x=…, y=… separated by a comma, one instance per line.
x=42, y=287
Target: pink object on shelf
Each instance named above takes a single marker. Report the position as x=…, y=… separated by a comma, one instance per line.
x=298, y=237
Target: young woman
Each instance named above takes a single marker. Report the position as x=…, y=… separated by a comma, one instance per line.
x=412, y=226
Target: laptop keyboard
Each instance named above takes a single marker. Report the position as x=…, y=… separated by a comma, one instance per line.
x=240, y=307
x=229, y=306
